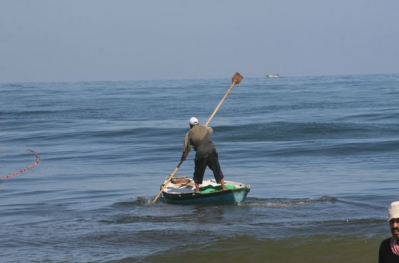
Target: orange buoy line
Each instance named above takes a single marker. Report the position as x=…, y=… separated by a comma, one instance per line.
x=25, y=169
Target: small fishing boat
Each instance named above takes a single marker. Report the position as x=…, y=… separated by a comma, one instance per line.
x=273, y=75
x=182, y=190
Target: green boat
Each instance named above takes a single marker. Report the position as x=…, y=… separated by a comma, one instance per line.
x=181, y=190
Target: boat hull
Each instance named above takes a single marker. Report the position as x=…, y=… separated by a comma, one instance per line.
x=273, y=75
x=210, y=192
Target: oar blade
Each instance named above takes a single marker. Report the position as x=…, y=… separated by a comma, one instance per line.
x=237, y=78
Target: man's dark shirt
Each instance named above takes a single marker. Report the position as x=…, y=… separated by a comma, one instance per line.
x=385, y=254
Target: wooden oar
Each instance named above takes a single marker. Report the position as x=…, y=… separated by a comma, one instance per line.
x=235, y=80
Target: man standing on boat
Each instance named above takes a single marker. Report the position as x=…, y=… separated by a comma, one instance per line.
x=389, y=248
x=200, y=137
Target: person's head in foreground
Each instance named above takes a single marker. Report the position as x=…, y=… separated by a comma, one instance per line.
x=393, y=219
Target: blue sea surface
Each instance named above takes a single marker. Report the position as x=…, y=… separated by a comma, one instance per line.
x=320, y=153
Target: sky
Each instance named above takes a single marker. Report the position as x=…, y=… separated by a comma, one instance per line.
x=128, y=40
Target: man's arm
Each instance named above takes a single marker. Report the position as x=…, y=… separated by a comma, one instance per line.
x=183, y=157
x=186, y=148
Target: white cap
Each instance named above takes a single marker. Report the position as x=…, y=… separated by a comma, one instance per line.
x=393, y=210
x=193, y=121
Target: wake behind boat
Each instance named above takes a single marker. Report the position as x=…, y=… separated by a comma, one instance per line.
x=182, y=190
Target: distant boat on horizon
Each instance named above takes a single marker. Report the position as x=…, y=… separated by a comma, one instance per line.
x=277, y=75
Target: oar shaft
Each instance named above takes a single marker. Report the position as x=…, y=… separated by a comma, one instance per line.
x=167, y=182
x=220, y=103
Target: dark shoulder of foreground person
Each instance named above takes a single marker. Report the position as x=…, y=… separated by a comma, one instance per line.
x=385, y=254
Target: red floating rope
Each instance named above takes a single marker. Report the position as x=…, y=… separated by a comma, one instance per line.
x=25, y=169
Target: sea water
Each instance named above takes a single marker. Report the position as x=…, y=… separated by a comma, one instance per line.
x=320, y=153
